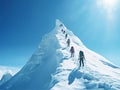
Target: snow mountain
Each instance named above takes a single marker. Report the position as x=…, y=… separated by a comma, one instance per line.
x=51, y=67
x=5, y=78
x=11, y=70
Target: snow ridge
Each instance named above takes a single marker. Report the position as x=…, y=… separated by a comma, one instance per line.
x=69, y=76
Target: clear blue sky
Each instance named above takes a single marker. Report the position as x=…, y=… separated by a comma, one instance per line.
x=24, y=22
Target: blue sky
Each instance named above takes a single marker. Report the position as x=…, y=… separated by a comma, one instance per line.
x=24, y=22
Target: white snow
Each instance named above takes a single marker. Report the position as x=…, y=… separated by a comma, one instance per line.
x=52, y=68
x=98, y=72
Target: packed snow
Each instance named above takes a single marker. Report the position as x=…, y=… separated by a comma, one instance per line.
x=51, y=67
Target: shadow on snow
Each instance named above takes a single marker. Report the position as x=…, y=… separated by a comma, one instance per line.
x=74, y=74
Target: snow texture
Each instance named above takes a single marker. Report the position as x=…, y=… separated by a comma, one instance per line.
x=51, y=67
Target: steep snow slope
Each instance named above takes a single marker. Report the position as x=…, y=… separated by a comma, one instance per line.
x=52, y=68
x=98, y=72
x=36, y=74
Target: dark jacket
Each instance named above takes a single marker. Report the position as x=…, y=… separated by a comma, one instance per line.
x=81, y=55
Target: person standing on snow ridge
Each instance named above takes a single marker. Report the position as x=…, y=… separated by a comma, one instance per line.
x=66, y=36
x=68, y=42
x=64, y=32
x=72, y=51
x=61, y=25
x=81, y=58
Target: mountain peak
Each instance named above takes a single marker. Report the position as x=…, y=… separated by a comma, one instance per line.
x=51, y=67
x=58, y=22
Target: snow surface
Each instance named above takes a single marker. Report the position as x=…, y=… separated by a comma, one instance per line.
x=52, y=68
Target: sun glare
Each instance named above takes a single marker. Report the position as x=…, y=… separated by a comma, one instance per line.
x=108, y=5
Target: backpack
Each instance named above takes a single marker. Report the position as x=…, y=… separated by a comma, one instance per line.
x=81, y=54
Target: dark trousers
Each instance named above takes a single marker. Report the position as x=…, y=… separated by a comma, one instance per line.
x=72, y=54
x=68, y=44
x=81, y=62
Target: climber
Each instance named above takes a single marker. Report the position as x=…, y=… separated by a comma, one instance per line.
x=81, y=58
x=68, y=42
x=72, y=51
x=64, y=32
x=66, y=36
x=61, y=25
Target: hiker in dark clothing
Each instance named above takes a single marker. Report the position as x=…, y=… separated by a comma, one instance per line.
x=61, y=25
x=81, y=58
x=66, y=36
x=64, y=32
x=72, y=51
x=68, y=42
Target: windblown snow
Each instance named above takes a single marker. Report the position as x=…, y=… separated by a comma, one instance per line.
x=52, y=68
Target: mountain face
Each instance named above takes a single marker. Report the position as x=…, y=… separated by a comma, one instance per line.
x=51, y=67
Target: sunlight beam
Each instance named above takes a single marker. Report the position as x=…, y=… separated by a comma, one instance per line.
x=109, y=6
